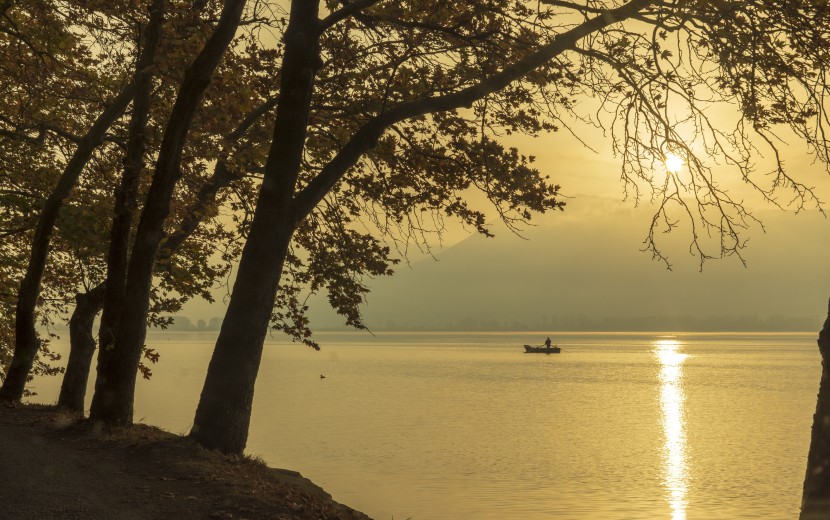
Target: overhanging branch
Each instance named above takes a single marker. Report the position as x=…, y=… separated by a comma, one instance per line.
x=365, y=138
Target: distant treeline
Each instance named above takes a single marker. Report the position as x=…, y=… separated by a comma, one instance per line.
x=750, y=323
x=184, y=323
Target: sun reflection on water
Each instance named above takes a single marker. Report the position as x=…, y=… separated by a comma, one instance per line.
x=672, y=402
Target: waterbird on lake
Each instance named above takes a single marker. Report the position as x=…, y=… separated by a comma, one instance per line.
x=322, y=376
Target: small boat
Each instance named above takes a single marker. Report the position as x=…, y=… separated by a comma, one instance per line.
x=529, y=349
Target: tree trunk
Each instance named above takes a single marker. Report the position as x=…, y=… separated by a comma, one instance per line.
x=125, y=195
x=26, y=343
x=81, y=349
x=815, y=501
x=75, y=378
x=117, y=367
x=224, y=411
x=77, y=370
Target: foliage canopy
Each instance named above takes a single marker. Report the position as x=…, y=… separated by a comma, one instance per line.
x=402, y=111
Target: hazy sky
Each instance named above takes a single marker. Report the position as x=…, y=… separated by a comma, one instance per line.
x=587, y=260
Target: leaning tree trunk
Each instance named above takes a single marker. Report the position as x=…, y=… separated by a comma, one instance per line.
x=81, y=349
x=125, y=195
x=26, y=342
x=117, y=367
x=815, y=502
x=89, y=304
x=224, y=410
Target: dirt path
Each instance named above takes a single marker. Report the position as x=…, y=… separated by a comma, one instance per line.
x=52, y=468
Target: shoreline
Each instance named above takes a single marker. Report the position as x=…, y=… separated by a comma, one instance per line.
x=55, y=465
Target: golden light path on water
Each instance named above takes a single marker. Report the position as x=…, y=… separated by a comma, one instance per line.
x=672, y=405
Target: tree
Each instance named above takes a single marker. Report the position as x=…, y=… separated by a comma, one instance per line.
x=117, y=366
x=642, y=60
x=185, y=269
x=389, y=114
x=111, y=292
x=48, y=110
x=185, y=266
x=94, y=45
x=816, y=497
x=125, y=194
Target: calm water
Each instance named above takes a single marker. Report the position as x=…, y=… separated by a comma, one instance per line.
x=467, y=426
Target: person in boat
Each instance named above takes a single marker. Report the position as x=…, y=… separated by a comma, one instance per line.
x=547, y=342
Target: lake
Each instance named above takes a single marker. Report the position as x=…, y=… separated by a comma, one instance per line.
x=448, y=426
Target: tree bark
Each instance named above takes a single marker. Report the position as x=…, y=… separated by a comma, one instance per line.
x=224, y=411
x=117, y=367
x=815, y=501
x=26, y=339
x=81, y=349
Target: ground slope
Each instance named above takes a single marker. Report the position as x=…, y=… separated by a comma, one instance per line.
x=53, y=467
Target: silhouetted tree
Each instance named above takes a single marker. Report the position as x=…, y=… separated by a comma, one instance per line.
x=455, y=76
x=389, y=114
x=185, y=268
x=815, y=503
x=118, y=366
x=47, y=111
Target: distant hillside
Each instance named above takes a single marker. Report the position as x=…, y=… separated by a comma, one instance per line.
x=583, y=270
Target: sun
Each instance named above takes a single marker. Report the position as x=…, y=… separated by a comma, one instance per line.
x=674, y=163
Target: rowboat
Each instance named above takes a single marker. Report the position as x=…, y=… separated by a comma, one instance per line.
x=529, y=349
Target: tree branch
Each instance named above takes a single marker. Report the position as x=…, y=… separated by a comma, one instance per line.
x=252, y=117
x=365, y=138
x=348, y=9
